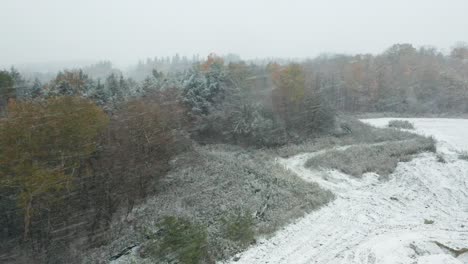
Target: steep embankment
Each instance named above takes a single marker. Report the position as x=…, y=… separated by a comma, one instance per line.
x=226, y=193
x=418, y=216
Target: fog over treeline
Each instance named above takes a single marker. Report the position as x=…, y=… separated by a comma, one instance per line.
x=154, y=129
x=401, y=78
x=34, y=32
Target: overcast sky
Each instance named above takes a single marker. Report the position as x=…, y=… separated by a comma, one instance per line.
x=124, y=31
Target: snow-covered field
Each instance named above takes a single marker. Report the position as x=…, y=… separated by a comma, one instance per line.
x=415, y=217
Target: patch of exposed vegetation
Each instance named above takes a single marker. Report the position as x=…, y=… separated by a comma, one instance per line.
x=401, y=124
x=454, y=252
x=428, y=222
x=239, y=227
x=178, y=240
x=381, y=158
x=441, y=158
x=348, y=131
x=463, y=155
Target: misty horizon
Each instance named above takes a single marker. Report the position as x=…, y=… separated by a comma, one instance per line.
x=59, y=65
x=124, y=32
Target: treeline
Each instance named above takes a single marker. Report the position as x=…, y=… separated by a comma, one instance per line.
x=76, y=150
x=402, y=79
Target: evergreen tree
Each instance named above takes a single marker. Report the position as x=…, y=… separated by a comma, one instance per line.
x=196, y=93
x=100, y=95
x=71, y=83
x=205, y=85
x=19, y=83
x=36, y=89
x=112, y=85
x=7, y=90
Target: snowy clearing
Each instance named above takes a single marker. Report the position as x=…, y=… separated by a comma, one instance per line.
x=418, y=216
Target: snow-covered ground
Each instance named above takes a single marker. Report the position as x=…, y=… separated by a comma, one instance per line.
x=412, y=218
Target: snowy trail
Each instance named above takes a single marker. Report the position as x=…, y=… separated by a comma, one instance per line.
x=383, y=222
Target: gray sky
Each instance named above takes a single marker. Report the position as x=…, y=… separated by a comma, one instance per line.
x=127, y=30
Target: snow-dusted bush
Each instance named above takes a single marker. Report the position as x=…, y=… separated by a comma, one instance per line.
x=380, y=158
x=347, y=131
x=178, y=240
x=249, y=123
x=238, y=227
x=240, y=121
x=463, y=155
x=403, y=124
x=441, y=158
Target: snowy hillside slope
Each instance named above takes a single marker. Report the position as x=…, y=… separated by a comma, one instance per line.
x=420, y=215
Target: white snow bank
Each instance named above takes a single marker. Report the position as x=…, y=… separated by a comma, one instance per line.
x=382, y=222
x=450, y=131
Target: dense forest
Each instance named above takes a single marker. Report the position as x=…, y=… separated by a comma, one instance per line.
x=92, y=142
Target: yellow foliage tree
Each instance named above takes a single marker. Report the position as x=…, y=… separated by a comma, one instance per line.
x=43, y=143
x=290, y=89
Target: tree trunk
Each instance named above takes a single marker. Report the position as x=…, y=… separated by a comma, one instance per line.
x=27, y=218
